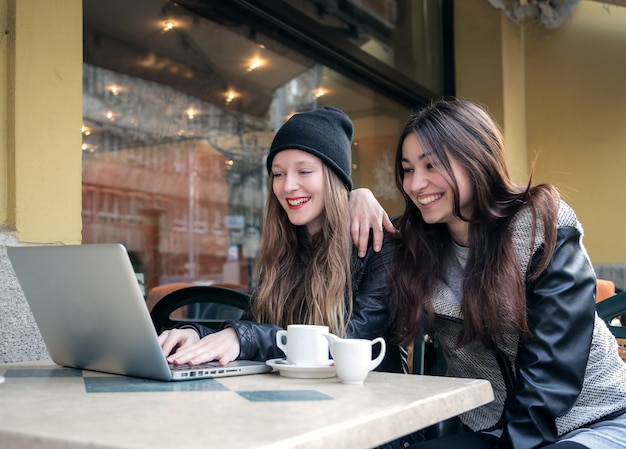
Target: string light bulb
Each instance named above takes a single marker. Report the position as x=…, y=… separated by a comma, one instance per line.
x=255, y=64
x=230, y=96
x=114, y=89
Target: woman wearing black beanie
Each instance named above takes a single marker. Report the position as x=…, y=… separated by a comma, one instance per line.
x=308, y=270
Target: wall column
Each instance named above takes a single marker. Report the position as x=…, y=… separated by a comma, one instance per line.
x=40, y=148
x=490, y=69
x=43, y=104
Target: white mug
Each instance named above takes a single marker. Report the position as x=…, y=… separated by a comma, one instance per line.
x=304, y=344
x=353, y=357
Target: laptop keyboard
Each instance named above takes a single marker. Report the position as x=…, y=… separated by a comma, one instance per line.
x=186, y=366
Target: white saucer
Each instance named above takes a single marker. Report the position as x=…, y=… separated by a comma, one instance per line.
x=300, y=371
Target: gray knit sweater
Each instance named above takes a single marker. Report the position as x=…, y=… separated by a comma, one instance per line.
x=596, y=386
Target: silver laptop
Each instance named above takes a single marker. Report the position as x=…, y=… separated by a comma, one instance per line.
x=89, y=308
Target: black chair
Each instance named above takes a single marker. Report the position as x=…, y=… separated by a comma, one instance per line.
x=209, y=305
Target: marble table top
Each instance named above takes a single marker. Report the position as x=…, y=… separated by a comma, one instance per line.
x=43, y=405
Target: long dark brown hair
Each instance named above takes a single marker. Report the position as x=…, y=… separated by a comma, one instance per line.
x=493, y=287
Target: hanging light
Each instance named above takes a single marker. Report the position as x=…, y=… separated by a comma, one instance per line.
x=231, y=95
x=255, y=64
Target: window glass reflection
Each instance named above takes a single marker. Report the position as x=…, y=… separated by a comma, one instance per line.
x=176, y=132
x=405, y=35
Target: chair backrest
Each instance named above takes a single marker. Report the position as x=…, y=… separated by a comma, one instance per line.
x=206, y=304
x=615, y=308
x=605, y=288
x=155, y=294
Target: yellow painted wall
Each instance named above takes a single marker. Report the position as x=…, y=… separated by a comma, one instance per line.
x=561, y=97
x=577, y=120
x=478, y=54
x=40, y=138
x=5, y=21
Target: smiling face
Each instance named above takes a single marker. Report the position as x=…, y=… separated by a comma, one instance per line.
x=298, y=184
x=430, y=192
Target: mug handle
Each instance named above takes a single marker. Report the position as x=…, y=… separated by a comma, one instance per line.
x=383, y=349
x=279, y=340
x=332, y=338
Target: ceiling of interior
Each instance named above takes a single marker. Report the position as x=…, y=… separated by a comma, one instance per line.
x=206, y=58
x=198, y=57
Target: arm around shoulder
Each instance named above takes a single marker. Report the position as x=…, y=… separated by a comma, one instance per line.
x=367, y=216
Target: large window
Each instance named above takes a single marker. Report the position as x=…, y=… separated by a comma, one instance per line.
x=181, y=103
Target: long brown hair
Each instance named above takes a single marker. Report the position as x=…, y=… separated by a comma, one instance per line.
x=493, y=287
x=304, y=279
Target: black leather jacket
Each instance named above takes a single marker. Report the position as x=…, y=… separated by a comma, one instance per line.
x=369, y=314
x=568, y=374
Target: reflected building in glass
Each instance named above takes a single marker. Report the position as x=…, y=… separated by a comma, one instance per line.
x=181, y=101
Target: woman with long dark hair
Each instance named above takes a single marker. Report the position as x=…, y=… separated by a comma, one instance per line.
x=497, y=275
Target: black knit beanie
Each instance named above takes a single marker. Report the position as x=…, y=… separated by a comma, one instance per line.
x=325, y=133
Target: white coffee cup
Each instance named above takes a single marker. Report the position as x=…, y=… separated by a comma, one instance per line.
x=353, y=357
x=304, y=344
